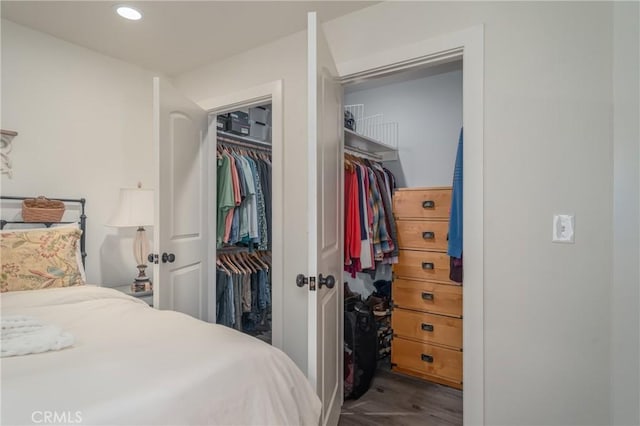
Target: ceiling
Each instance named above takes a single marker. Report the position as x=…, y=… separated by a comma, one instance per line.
x=173, y=36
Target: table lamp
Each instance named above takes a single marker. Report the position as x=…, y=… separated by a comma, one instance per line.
x=135, y=209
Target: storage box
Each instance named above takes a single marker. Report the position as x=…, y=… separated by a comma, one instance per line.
x=239, y=123
x=239, y=129
x=260, y=131
x=260, y=115
x=222, y=122
x=239, y=117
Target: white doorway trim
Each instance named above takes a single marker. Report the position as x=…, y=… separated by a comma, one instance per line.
x=268, y=92
x=467, y=45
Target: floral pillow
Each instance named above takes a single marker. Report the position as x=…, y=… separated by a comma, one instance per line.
x=42, y=258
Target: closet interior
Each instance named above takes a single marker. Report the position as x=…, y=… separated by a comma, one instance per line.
x=243, y=221
x=402, y=137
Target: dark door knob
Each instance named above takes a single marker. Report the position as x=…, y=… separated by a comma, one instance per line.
x=168, y=257
x=152, y=258
x=301, y=280
x=329, y=281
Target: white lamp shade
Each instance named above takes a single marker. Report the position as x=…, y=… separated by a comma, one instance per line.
x=135, y=208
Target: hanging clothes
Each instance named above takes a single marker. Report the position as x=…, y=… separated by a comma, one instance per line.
x=243, y=292
x=366, y=253
x=225, y=198
x=454, y=248
x=455, y=220
x=352, y=244
x=243, y=199
x=369, y=227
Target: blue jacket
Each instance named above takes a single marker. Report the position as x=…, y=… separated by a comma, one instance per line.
x=455, y=220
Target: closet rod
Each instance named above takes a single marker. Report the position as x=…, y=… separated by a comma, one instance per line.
x=225, y=142
x=363, y=154
x=242, y=141
x=234, y=249
x=238, y=249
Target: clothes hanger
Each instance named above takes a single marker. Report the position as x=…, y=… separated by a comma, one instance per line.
x=256, y=260
x=240, y=258
x=221, y=265
x=248, y=258
x=230, y=264
x=234, y=258
x=348, y=165
x=261, y=261
x=265, y=256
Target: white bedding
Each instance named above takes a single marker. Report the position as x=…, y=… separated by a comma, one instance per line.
x=131, y=364
x=23, y=335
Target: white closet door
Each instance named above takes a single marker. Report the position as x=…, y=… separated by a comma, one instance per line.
x=325, y=224
x=180, y=231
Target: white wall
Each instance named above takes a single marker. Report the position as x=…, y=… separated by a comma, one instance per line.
x=625, y=308
x=84, y=130
x=547, y=149
x=284, y=59
x=428, y=111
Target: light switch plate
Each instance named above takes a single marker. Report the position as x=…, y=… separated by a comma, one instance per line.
x=563, y=228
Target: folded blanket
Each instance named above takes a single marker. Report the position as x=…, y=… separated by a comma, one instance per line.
x=22, y=335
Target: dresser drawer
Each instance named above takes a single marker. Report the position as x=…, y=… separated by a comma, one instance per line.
x=425, y=203
x=428, y=296
x=427, y=327
x=423, y=265
x=423, y=234
x=428, y=359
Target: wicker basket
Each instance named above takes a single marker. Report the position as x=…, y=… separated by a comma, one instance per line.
x=42, y=210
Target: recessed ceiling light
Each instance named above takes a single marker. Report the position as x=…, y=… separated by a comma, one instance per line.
x=129, y=13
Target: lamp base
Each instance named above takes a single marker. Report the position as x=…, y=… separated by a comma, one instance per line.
x=140, y=286
x=142, y=282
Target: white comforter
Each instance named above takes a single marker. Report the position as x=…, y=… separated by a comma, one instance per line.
x=131, y=364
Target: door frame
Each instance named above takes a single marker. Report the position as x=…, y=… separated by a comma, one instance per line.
x=258, y=95
x=467, y=45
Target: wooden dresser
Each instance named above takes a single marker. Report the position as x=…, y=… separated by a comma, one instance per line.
x=427, y=306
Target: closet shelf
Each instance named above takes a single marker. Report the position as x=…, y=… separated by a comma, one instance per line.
x=367, y=144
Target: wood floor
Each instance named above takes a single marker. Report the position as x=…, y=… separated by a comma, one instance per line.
x=394, y=399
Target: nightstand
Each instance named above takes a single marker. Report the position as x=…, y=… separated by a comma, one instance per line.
x=146, y=296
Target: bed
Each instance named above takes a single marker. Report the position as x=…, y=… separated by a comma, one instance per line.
x=132, y=364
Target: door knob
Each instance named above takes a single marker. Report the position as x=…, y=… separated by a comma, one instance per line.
x=329, y=281
x=168, y=257
x=153, y=258
x=301, y=280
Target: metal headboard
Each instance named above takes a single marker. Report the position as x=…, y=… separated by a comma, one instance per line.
x=83, y=219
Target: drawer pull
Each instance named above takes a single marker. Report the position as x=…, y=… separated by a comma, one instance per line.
x=427, y=296
x=427, y=358
x=427, y=327
x=428, y=235
x=429, y=204
x=428, y=265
